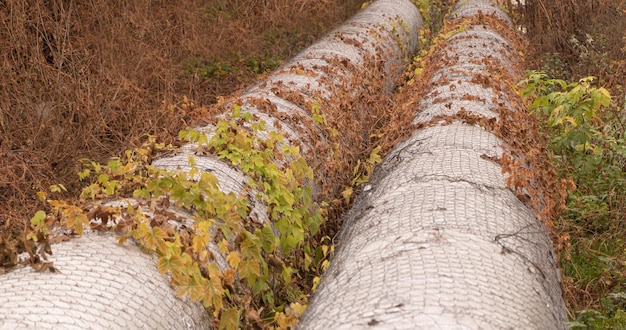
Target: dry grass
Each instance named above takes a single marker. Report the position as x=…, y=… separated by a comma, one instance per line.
x=577, y=38
x=89, y=79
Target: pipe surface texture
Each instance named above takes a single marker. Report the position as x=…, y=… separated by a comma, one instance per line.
x=437, y=240
x=103, y=285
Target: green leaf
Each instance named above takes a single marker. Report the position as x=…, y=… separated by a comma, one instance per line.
x=208, y=182
x=38, y=219
x=268, y=239
x=165, y=183
x=82, y=175
x=601, y=96
x=287, y=272
x=57, y=188
x=103, y=178
x=229, y=319
x=316, y=220
x=191, y=160
x=236, y=110
x=114, y=165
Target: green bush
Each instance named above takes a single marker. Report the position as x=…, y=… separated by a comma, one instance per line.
x=588, y=147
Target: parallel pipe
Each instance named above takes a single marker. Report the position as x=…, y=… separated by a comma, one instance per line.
x=104, y=285
x=438, y=240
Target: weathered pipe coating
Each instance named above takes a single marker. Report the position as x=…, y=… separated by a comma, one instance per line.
x=437, y=240
x=102, y=285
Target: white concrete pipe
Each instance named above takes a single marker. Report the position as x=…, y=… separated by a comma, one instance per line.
x=438, y=240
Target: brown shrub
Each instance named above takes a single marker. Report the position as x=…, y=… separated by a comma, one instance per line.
x=577, y=38
x=93, y=78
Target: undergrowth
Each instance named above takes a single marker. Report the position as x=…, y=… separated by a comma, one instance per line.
x=570, y=41
x=255, y=285
x=587, y=142
x=92, y=79
x=248, y=270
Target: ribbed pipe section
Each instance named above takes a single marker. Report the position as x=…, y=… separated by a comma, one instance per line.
x=437, y=240
x=103, y=285
x=100, y=286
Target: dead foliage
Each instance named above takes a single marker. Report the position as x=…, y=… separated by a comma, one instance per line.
x=91, y=79
x=526, y=162
x=576, y=38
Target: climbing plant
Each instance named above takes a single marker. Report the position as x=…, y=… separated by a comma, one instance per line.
x=261, y=282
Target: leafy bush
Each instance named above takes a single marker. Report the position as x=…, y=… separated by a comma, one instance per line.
x=587, y=149
x=588, y=146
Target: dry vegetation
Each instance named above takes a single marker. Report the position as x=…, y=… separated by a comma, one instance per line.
x=570, y=40
x=89, y=79
x=576, y=38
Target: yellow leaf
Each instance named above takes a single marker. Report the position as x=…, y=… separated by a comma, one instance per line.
x=204, y=255
x=75, y=219
x=208, y=182
x=325, y=250
x=249, y=267
x=213, y=296
x=57, y=188
x=203, y=226
x=290, y=318
x=200, y=242
x=229, y=276
x=141, y=232
x=56, y=205
x=169, y=262
x=223, y=246
x=297, y=308
x=316, y=282
x=38, y=219
x=325, y=265
x=197, y=287
x=233, y=259
x=347, y=193
x=571, y=120
x=284, y=321
x=42, y=196
x=155, y=239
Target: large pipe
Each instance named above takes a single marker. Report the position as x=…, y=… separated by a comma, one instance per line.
x=101, y=284
x=437, y=240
